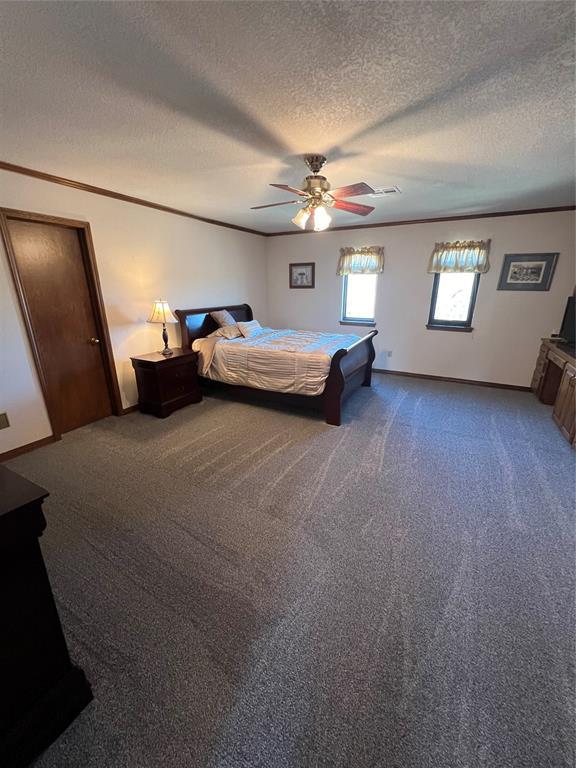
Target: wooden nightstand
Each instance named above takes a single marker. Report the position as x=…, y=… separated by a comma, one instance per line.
x=166, y=383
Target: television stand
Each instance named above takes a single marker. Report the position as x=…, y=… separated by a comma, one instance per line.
x=554, y=383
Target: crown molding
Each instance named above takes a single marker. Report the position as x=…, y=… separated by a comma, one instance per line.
x=404, y=222
x=119, y=196
x=43, y=176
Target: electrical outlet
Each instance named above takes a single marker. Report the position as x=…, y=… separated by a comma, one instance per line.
x=4, y=421
x=389, y=353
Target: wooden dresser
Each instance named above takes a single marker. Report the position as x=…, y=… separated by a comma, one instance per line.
x=41, y=690
x=554, y=382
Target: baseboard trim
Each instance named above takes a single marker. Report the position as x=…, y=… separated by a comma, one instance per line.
x=474, y=382
x=7, y=455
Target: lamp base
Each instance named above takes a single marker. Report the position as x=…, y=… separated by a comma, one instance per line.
x=166, y=351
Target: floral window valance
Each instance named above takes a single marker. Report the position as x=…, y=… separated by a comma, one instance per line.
x=361, y=261
x=460, y=256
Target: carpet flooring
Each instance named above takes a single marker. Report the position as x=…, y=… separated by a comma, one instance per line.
x=251, y=588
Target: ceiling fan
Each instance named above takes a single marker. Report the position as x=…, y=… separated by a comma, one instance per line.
x=318, y=198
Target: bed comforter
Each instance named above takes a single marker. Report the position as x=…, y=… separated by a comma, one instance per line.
x=277, y=360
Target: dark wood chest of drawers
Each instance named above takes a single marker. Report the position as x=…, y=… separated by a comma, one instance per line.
x=41, y=690
x=166, y=383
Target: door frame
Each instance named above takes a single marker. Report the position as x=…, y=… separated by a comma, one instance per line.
x=93, y=281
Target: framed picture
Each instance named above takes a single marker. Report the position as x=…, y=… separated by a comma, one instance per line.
x=527, y=271
x=302, y=275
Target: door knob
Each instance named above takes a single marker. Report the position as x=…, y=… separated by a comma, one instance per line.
x=94, y=341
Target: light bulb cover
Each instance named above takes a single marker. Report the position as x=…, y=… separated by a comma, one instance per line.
x=321, y=219
x=301, y=218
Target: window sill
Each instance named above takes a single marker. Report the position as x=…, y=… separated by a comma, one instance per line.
x=459, y=328
x=367, y=323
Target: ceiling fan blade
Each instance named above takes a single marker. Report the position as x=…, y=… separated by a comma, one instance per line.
x=272, y=205
x=361, y=210
x=352, y=190
x=286, y=188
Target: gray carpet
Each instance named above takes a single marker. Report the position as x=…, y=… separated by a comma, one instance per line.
x=247, y=587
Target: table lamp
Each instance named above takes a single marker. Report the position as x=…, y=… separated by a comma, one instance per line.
x=161, y=313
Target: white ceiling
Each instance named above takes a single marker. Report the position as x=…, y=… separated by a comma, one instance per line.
x=466, y=106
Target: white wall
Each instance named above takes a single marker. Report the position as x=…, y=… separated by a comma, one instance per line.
x=507, y=325
x=142, y=254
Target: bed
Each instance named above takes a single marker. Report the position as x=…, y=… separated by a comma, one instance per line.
x=350, y=367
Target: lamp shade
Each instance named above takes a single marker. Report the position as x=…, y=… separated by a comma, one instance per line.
x=161, y=313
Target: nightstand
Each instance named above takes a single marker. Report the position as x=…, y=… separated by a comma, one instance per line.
x=166, y=383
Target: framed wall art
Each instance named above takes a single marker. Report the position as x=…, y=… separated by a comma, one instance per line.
x=527, y=271
x=302, y=275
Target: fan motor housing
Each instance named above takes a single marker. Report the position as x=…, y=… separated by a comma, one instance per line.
x=316, y=185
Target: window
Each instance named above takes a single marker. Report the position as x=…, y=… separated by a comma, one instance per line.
x=453, y=299
x=359, y=299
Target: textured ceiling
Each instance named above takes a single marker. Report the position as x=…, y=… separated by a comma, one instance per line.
x=466, y=106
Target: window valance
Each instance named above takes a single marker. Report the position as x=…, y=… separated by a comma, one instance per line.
x=460, y=256
x=361, y=261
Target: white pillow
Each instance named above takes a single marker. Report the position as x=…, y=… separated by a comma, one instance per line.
x=223, y=317
x=253, y=328
x=227, y=331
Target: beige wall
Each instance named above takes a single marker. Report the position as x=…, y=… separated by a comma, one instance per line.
x=20, y=393
x=507, y=325
x=142, y=255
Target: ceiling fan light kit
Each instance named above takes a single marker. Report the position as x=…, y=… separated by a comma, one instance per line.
x=318, y=197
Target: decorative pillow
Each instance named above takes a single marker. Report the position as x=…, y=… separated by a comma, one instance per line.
x=227, y=331
x=253, y=328
x=223, y=317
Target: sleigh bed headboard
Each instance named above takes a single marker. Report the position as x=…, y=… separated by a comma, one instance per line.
x=197, y=323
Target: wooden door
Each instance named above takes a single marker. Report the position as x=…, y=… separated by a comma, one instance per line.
x=565, y=406
x=51, y=263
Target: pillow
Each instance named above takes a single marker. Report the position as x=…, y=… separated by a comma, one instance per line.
x=223, y=317
x=253, y=328
x=227, y=331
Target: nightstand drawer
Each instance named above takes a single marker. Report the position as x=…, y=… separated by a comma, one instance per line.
x=178, y=381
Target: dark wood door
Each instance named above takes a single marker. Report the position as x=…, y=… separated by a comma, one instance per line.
x=51, y=263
